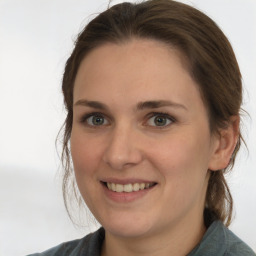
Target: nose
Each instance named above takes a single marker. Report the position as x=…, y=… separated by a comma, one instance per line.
x=123, y=149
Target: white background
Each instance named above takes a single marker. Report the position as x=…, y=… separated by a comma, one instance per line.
x=36, y=37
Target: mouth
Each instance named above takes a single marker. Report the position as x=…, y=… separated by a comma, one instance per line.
x=128, y=188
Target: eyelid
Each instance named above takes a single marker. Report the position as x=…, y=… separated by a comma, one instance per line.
x=85, y=117
x=162, y=114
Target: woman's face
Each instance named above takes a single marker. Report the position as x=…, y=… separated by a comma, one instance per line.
x=140, y=141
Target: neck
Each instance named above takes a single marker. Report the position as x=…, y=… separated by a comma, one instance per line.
x=176, y=241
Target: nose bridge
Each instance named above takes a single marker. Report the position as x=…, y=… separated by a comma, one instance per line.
x=122, y=149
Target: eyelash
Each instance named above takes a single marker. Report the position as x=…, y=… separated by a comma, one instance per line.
x=163, y=115
x=84, y=119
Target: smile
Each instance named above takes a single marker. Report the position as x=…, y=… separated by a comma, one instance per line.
x=128, y=188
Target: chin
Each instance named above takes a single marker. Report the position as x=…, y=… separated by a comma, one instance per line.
x=122, y=227
x=128, y=232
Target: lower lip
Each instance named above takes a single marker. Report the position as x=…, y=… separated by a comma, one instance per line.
x=125, y=197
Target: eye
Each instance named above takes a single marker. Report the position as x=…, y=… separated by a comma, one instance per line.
x=160, y=120
x=95, y=120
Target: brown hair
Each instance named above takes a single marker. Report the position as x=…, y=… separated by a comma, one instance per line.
x=210, y=61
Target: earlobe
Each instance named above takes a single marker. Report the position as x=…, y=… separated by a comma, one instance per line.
x=224, y=145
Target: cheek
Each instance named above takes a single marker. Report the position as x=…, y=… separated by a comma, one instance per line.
x=85, y=154
x=182, y=153
x=184, y=171
x=183, y=162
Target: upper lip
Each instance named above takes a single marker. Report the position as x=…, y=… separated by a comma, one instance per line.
x=126, y=181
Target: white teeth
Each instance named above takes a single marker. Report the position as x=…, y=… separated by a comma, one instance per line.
x=113, y=187
x=119, y=188
x=136, y=187
x=142, y=186
x=128, y=187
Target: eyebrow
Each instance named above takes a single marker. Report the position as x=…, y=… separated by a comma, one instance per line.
x=158, y=104
x=152, y=104
x=92, y=104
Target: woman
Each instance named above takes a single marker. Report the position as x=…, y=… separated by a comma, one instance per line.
x=153, y=93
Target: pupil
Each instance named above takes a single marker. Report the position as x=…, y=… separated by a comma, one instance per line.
x=98, y=120
x=160, y=121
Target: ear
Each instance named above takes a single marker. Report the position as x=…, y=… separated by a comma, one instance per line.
x=224, y=145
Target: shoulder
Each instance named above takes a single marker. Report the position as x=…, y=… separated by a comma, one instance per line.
x=235, y=246
x=88, y=245
x=219, y=240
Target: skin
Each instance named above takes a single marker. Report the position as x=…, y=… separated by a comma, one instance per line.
x=130, y=145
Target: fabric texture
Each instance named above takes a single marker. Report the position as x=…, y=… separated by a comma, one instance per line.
x=217, y=241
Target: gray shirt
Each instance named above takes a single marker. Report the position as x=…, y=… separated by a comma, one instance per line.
x=217, y=241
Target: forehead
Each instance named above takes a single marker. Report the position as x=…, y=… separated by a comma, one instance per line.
x=137, y=69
